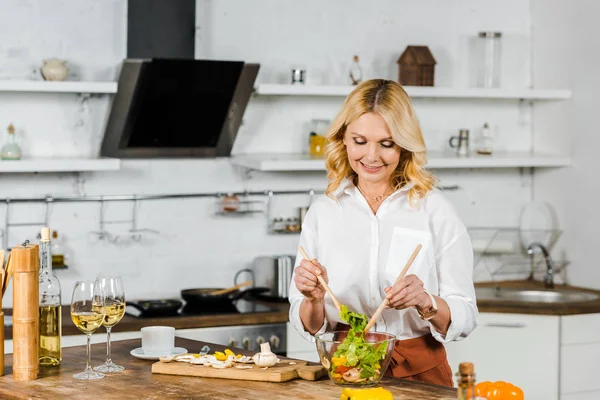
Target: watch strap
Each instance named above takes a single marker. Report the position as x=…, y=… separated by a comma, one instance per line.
x=427, y=315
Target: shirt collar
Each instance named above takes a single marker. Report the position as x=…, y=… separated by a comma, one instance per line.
x=348, y=187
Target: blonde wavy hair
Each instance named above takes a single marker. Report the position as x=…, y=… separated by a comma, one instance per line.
x=388, y=99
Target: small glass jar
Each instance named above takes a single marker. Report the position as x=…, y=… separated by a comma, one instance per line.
x=292, y=225
x=278, y=225
x=484, y=143
x=489, y=52
x=316, y=139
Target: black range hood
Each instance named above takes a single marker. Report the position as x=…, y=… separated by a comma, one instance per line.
x=178, y=108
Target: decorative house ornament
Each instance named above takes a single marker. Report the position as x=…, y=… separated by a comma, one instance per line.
x=416, y=66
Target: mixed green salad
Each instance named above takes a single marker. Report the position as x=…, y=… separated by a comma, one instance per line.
x=356, y=360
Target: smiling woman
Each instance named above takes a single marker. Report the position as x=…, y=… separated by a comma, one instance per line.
x=376, y=141
x=379, y=205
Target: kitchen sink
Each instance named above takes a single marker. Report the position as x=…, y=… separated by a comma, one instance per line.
x=533, y=296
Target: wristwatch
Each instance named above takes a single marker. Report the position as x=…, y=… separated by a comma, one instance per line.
x=427, y=315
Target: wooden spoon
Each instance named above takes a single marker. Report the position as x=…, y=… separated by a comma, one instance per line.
x=384, y=302
x=322, y=281
x=231, y=289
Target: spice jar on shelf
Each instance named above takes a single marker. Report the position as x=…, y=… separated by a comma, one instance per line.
x=484, y=143
x=230, y=203
x=318, y=129
x=278, y=225
x=292, y=225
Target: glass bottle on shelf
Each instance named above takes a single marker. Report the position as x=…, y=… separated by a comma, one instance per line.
x=58, y=254
x=50, y=353
x=485, y=141
x=355, y=71
x=489, y=49
x=11, y=150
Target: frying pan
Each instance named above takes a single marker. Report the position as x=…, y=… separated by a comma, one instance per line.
x=156, y=308
x=202, y=298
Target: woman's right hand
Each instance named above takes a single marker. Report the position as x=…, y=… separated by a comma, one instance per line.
x=306, y=280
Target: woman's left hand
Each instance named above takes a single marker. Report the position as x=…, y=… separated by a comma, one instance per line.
x=408, y=292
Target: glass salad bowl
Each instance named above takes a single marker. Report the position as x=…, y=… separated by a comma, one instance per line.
x=355, y=360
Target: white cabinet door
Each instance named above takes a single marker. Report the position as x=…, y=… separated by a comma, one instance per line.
x=580, y=356
x=517, y=348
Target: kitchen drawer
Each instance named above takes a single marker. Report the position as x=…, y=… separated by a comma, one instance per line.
x=580, y=328
x=579, y=368
x=518, y=348
x=581, y=396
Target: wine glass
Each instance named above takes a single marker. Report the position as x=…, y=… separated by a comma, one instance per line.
x=87, y=313
x=114, y=307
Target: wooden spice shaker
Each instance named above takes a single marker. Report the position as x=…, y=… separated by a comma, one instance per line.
x=25, y=264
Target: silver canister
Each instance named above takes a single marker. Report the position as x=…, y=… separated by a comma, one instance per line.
x=461, y=142
x=298, y=76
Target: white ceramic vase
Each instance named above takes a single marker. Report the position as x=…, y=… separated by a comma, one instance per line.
x=54, y=70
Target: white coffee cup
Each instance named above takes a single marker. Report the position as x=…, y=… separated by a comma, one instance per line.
x=158, y=340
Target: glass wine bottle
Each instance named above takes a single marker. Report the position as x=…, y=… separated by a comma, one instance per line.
x=50, y=310
x=11, y=150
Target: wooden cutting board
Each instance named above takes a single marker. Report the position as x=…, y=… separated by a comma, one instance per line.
x=281, y=372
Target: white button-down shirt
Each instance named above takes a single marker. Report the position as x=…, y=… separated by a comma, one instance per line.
x=365, y=252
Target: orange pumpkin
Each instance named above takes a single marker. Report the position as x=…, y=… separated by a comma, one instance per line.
x=499, y=390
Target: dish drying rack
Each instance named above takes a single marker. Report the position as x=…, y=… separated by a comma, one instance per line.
x=503, y=251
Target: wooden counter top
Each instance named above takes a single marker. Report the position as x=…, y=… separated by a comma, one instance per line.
x=130, y=323
x=280, y=312
x=137, y=382
x=586, y=307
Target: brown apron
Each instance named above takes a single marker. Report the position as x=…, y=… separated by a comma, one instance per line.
x=420, y=359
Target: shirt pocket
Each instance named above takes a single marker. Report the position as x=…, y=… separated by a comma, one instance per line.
x=402, y=245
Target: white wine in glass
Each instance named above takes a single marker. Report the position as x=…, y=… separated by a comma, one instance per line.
x=87, y=313
x=114, y=308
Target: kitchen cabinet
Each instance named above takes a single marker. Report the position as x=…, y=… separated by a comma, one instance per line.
x=517, y=348
x=549, y=357
x=580, y=356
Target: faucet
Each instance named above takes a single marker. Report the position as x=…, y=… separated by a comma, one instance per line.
x=549, y=277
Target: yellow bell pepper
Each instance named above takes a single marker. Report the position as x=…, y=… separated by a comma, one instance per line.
x=220, y=356
x=366, y=394
x=229, y=353
x=337, y=361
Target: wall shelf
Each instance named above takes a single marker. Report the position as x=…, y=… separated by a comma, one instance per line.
x=60, y=165
x=418, y=92
x=277, y=162
x=57, y=87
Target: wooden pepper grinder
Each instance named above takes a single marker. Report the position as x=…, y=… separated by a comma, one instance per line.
x=25, y=265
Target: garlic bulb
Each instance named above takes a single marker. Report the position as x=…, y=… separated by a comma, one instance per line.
x=265, y=358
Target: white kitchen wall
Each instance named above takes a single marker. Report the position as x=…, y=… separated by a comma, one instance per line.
x=567, y=53
x=194, y=247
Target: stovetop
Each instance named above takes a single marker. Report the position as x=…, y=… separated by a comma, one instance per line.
x=240, y=306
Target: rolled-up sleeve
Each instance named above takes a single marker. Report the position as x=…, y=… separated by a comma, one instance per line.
x=455, y=271
x=308, y=241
